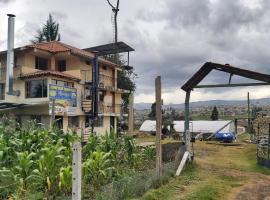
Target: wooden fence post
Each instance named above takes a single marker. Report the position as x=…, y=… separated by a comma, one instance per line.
x=76, y=170
x=131, y=114
x=158, y=127
x=52, y=113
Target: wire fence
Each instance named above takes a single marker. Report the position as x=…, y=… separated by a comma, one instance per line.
x=137, y=184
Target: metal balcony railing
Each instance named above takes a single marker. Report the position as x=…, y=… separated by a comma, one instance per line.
x=110, y=109
x=106, y=81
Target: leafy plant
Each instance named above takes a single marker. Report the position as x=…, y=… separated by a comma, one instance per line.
x=98, y=168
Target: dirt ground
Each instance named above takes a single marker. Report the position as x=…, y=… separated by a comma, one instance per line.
x=256, y=185
x=218, y=173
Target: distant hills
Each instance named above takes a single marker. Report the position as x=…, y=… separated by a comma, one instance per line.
x=259, y=102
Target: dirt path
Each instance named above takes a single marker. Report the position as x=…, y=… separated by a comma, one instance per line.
x=256, y=185
x=218, y=173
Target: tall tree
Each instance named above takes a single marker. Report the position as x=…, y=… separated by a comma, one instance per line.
x=152, y=114
x=214, y=115
x=255, y=111
x=48, y=32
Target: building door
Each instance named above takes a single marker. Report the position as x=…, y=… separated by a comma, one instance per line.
x=59, y=122
x=112, y=128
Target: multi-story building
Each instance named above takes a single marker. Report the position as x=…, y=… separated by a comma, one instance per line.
x=45, y=70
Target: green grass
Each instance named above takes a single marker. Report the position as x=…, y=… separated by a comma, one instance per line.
x=206, y=192
x=190, y=176
x=244, y=136
x=216, y=171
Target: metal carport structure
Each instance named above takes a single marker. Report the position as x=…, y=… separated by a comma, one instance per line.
x=194, y=81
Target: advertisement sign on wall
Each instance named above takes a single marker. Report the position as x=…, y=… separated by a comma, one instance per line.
x=65, y=99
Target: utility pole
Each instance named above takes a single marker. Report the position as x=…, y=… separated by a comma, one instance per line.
x=158, y=127
x=248, y=104
x=115, y=10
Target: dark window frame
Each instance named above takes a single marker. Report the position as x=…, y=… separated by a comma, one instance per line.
x=99, y=121
x=2, y=91
x=62, y=65
x=41, y=63
x=44, y=89
x=73, y=122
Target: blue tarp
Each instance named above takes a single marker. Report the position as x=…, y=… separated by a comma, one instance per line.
x=225, y=137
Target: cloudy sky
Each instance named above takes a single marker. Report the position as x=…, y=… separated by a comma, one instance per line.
x=172, y=38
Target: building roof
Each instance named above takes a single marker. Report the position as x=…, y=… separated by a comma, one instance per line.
x=59, y=47
x=208, y=67
x=48, y=72
x=201, y=126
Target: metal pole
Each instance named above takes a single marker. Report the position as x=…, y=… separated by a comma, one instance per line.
x=235, y=128
x=248, y=102
x=268, y=145
x=95, y=84
x=158, y=126
x=76, y=171
x=10, y=54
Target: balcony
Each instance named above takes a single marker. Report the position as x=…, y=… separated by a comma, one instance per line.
x=103, y=108
x=17, y=72
x=106, y=82
x=110, y=109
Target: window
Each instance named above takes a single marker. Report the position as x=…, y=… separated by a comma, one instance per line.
x=62, y=65
x=41, y=63
x=99, y=121
x=73, y=121
x=87, y=62
x=59, y=122
x=87, y=93
x=62, y=83
x=16, y=61
x=2, y=91
x=36, y=88
x=36, y=118
x=102, y=95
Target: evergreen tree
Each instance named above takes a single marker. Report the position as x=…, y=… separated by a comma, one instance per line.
x=48, y=32
x=214, y=115
x=152, y=114
x=255, y=111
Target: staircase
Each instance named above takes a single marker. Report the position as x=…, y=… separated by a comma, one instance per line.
x=87, y=105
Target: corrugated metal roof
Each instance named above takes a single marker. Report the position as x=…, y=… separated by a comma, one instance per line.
x=208, y=67
x=202, y=126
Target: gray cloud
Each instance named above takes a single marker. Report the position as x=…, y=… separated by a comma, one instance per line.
x=6, y=1
x=200, y=31
x=172, y=38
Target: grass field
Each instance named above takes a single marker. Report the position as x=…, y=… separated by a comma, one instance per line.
x=218, y=173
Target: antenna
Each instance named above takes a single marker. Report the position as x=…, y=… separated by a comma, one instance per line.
x=115, y=10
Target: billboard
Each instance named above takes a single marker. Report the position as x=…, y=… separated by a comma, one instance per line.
x=65, y=99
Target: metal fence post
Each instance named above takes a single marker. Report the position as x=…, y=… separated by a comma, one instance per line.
x=76, y=170
x=158, y=127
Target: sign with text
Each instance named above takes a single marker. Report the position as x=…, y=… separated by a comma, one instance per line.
x=65, y=99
